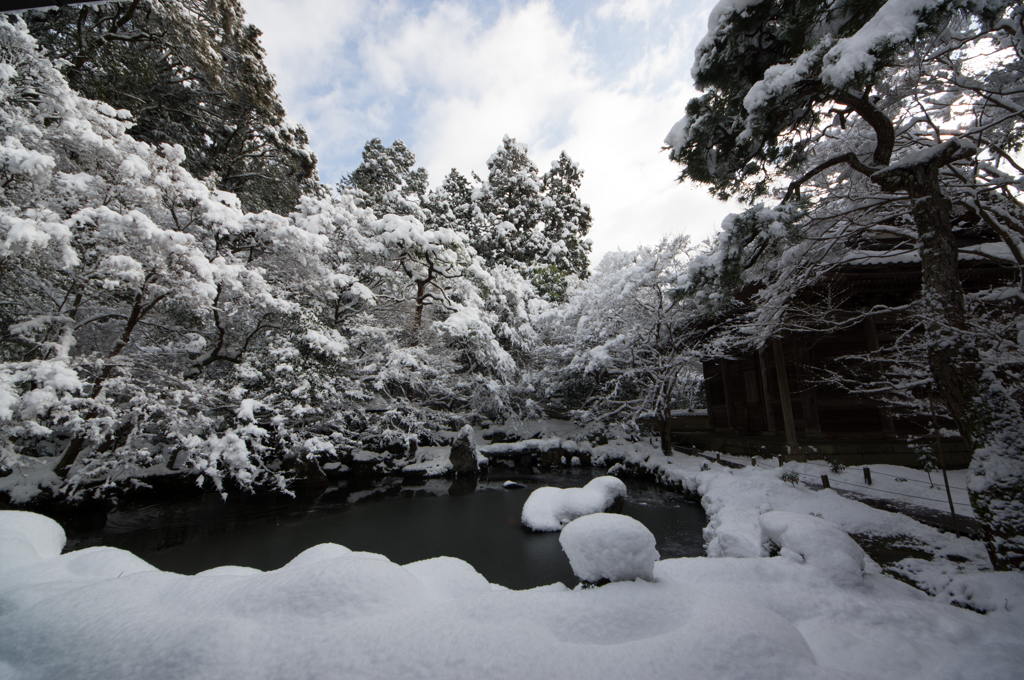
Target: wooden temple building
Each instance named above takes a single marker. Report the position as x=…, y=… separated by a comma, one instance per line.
x=772, y=401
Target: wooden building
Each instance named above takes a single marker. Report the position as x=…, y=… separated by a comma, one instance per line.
x=772, y=402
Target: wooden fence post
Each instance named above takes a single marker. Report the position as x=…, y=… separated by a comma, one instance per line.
x=824, y=482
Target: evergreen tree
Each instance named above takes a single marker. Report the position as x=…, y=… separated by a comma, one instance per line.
x=451, y=204
x=531, y=221
x=512, y=201
x=567, y=220
x=388, y=180
x=875, y=84
x=191, y=72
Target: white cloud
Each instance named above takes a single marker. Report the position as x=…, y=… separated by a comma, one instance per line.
x=451, y=84
x=632, y=10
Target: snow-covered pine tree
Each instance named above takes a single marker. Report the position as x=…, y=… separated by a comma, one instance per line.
x=388, y=180
x=916, y=121
x=512, y=202
x=531, y=221
x=567, y=220
x=451, y=204
x=192, y=73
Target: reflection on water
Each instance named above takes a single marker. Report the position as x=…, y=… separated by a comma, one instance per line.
x=477, y=522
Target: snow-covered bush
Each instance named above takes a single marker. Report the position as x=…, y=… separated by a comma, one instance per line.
x=817, y=542
x=609, y=547
x=550, y=508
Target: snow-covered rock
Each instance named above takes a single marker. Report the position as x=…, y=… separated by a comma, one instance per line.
x=550, y=508
x=463, y=455
x=605, y=546
x=817, y=542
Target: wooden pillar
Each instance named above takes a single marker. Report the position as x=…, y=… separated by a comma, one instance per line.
x=708, y=369
x=871, y=334
x=730, y=406
x=787, y=405
x=808, y=397
x=766, y=398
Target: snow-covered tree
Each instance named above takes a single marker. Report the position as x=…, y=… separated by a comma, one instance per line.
x=451, y=204
x=896, y=118
x=387, y=179
x=512, y=200
x=192, y=73
x=127, y=284
x=567, y=220
x=532, y=221
x=624, y=343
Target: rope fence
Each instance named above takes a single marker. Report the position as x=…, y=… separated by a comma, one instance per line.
x=885, y=474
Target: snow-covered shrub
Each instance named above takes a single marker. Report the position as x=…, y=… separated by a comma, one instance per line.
x=549, y=508
x=609, y=547
x=816, y=542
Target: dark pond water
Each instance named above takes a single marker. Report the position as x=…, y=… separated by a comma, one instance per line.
x=405, y=521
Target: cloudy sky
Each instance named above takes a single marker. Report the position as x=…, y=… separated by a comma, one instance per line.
x=605, y=82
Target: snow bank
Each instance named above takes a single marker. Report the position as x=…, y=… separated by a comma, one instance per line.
x=614, y=547
x=821, y=544
x=331, y=612
x=549, y=508
x=736, y=499
x=26, y=538
x=545, y=444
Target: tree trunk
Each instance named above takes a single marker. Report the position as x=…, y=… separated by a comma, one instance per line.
x=666, y=434
x=78, y=443
x=987, y=416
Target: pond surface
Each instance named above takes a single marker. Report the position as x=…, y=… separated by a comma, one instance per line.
x=405, y=521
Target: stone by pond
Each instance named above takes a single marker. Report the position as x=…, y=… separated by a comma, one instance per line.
x=475, y=520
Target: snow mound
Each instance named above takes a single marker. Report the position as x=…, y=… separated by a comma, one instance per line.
x=989, y=591
x=431, y=461
x=613, y=547
x=26, y=537
x=550, y=508
x=449, y=577
x=817, y=542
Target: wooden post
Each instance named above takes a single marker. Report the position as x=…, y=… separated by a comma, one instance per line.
x=730, y=406
x=769, y=412
x=824, y=482
x=782, y=460
x=718, y=458
x=867, y=476
x=808, y=396
x=787, y=405
x=942, y=464
x=753, y=461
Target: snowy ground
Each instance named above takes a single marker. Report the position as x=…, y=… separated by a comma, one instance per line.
x=818, y=609
x=891, y=482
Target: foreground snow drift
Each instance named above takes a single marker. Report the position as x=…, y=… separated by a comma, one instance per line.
x=103, y=613
x=549, y=508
